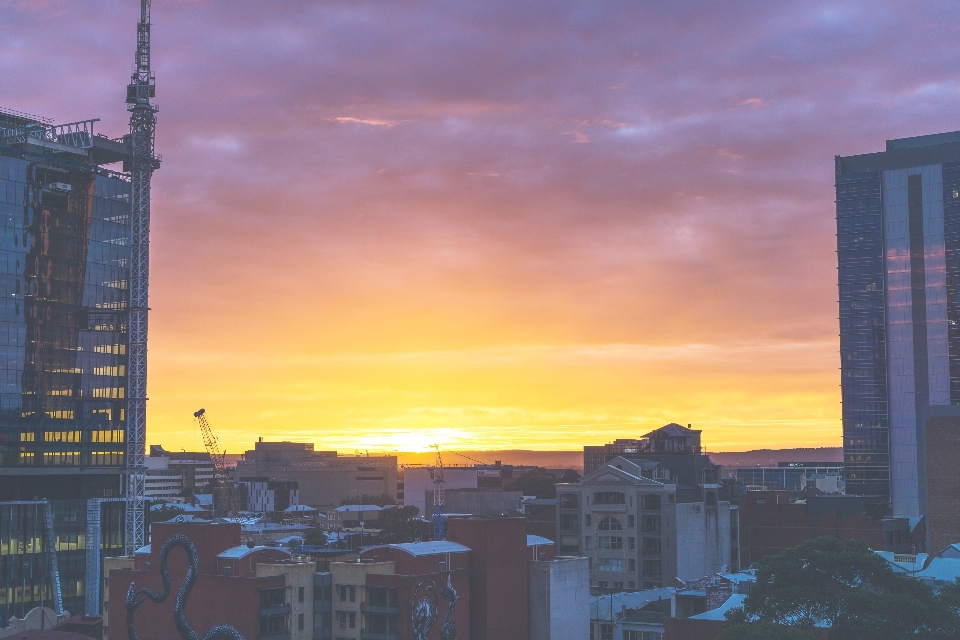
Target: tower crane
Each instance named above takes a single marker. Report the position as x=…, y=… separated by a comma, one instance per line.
x=217, y=455
x=142, y=163
x=439, y=522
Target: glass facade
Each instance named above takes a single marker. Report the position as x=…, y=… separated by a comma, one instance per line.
x=64, y=261
x=951, y=236
x=863, y=341
x=64, y=254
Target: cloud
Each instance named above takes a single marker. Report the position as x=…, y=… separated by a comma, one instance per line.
x=295, y=214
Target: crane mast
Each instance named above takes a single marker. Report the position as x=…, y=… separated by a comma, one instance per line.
x=218, y=457
x=142, y=164
x=439, y=523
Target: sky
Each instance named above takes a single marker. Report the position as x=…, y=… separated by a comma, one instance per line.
x=498, y=224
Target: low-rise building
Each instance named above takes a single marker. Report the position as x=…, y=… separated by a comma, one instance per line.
x=637, y=533
x=253, y=589
x=324, y=479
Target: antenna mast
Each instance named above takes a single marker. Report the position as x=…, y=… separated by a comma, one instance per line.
x=142, y=163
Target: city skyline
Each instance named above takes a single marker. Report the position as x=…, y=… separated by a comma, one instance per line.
x=537, y=228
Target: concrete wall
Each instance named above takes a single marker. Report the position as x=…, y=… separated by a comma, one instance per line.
x=703, y=539
x=417, y=481
x=560, y=599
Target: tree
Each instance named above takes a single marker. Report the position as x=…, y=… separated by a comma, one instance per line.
x=315, y=538
x=401, y=525
x=381, y=500
x=763, y=630
x=844, y=585
x=536, y=482
x=570, y=476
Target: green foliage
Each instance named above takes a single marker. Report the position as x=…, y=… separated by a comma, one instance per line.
x=536, y=482
x=570, y=476
x=315, y=538
x=764, y=630
x=381, y=500
x=849, y=588
x=401, y=525
x=164, y=513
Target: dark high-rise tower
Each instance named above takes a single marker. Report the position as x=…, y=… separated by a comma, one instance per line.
x=64, y=296
x=898, y=248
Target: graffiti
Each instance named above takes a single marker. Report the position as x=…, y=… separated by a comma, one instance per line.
x=449, y=629
x=135, y=599
x=425, y=609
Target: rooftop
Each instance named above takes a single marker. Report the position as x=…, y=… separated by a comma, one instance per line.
x=538, y=541
x=733, y=602
x=242, y=551
x=433, y=548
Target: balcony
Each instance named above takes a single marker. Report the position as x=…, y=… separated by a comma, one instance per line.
x=616, y=508
x=276, y=610
x=386, y=609
x=374, y=635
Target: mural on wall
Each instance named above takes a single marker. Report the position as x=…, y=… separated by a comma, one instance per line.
x=449, y=629
x=425, y=609
x=135, y=599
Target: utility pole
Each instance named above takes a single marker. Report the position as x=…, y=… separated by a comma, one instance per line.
x=143, y=123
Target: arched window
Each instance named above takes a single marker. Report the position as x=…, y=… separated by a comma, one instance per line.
x=609, y=524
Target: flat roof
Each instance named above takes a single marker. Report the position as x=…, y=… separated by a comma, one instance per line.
x=432, y=548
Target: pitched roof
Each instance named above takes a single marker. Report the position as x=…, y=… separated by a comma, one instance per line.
x=673, y=429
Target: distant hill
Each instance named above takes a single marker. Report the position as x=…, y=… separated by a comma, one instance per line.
x=770, y=457
x=574, y=459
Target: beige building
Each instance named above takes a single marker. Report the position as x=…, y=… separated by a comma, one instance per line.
x=324, y=478
x=299, y=579
x=637, y=533
x=109, y=564
x=349, y=594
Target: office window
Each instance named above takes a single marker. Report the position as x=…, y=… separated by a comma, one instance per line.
x=568, y=521
x=588, y=520
x=651, y=546
x=300, y=596
x=631, y=585
x=651, y=502
x=631, y=544
x=609, y=524
x=630, y=522
x=353, y=597
x=609, y=542
x=588, y=542
x=300, y=618
x=606, y=632
x=611, y=564
x=650, y=524
x=652, y=569
x=353, y=620
x=632, y=565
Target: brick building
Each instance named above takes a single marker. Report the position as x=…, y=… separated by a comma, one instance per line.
x=237, y=585
x=770, y=523
x=499, y=575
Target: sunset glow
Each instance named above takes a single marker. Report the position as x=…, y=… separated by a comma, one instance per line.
x=382, y=226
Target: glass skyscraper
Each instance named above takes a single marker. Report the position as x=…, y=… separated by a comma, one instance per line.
x=64, y=261
x=898, y=251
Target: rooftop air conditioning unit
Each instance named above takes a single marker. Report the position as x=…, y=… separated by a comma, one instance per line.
x=59, y=186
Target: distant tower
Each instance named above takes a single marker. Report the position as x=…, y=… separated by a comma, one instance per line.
x=143, y=122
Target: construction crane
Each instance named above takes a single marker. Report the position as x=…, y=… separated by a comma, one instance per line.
x=218, y=456
x=142, y=163
x=439, y=522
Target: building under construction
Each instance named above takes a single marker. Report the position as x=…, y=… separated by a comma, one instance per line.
x=74, y=240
